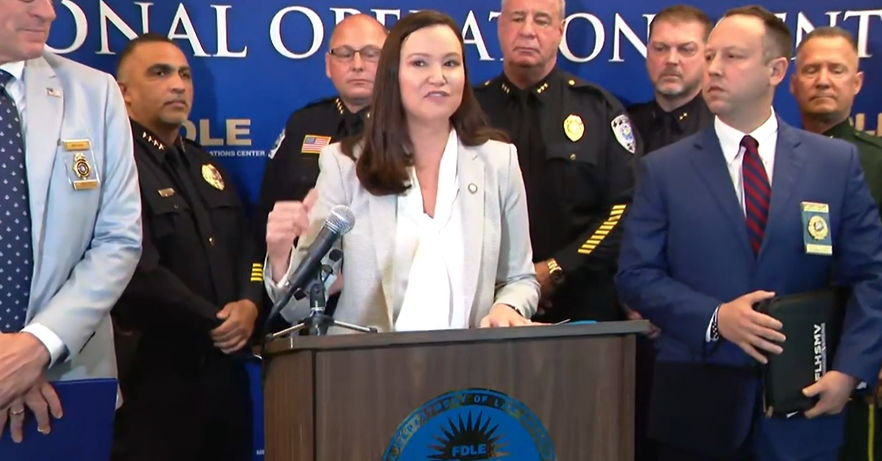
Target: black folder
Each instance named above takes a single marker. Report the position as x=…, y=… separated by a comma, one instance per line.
x=812, y=324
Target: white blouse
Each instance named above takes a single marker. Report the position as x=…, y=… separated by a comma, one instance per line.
x=430, y=255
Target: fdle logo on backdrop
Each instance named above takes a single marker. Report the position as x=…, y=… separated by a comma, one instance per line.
x=255, y=62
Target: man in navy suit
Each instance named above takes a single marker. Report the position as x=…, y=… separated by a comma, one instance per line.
x=716, y=226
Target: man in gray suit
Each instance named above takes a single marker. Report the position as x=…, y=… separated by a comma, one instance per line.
x=70, y=234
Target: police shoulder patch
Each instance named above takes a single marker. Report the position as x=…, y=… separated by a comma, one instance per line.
x=272, y=152
x=621, y=128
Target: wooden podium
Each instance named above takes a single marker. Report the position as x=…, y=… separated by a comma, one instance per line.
x=542, y=393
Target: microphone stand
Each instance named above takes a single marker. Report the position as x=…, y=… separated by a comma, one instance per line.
x=318, y=322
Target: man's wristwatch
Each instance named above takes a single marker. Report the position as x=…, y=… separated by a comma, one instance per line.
x=555, y=272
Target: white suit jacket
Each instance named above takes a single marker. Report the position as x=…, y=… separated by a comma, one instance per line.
x=86, y=242
x=498, y=255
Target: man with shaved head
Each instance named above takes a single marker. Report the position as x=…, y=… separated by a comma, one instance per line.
x=350, y=63
x=192, y=302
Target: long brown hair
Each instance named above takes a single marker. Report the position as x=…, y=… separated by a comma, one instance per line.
x=382, y=165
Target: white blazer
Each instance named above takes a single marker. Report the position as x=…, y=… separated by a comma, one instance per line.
x=498, y=252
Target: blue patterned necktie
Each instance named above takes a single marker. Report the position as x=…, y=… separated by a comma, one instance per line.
x=16, y=254
x=757, y=192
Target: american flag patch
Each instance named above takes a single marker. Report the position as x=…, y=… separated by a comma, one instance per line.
x=313, y=144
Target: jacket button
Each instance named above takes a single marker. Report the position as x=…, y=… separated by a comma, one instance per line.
x=211, y=241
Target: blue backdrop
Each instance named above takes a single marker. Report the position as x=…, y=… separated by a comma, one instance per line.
x=256, y=61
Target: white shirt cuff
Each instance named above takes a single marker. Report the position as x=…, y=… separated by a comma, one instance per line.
x=274, y=288
x=53, y=343
x=710, y=336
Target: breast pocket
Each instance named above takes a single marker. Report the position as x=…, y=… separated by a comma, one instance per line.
x=572, y=170
x=226, y=214
x=167, y=215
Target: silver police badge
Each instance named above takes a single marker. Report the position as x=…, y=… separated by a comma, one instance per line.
x=621, y=127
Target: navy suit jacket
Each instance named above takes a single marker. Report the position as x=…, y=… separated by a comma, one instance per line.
x=686, y=251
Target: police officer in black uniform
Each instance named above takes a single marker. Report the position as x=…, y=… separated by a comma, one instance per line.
x=292, y=169
x=577, y=152
x=183, y=323
x=676, y=66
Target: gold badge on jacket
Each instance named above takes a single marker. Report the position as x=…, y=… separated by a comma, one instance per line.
x=573, y=127
x=81, y=172
x=212, y=176
x=816, y=233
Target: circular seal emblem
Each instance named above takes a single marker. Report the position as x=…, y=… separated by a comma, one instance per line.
x=81, y=166
x=471, y=425
x=817, y=228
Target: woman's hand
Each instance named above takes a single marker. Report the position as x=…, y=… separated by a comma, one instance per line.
x=503, y=315
x=285, y=223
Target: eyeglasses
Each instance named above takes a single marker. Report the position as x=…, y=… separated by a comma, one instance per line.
x=369, y=53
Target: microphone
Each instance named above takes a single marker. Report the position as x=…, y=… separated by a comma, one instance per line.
x=340, y=221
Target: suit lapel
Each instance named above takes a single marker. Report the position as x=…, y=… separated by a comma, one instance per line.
x=384, y=221
x=710, y=165
x=470, y=170
x=788, y=164
x=45, y=108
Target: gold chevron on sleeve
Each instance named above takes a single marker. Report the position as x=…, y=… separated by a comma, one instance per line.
x=597, y=238
x=257, y=272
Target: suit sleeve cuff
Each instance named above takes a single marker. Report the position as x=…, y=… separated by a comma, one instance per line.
x=50, y=340
x=277, y=289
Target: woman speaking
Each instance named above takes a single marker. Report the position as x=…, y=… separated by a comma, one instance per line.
x=441, y=237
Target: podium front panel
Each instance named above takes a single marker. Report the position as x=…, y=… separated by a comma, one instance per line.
x=382, y=403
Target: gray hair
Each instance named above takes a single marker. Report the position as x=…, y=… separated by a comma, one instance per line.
x=563, y=7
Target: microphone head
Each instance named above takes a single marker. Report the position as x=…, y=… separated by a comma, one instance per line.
x=341, y=220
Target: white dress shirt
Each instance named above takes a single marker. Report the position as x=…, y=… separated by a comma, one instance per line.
x=730, y=142
x=16, y=89
x=430, y=254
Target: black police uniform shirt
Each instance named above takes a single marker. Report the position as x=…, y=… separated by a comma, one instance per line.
x=577, y=153
x=659, y=128
x=198, y=254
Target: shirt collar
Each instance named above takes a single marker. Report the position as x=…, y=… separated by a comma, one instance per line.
x=842, y=129
x=16, y=69
x=731, y=137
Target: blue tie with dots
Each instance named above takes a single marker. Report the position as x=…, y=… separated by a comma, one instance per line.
x=16, y=254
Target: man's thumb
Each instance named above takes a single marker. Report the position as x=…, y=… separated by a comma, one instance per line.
x=812, y=390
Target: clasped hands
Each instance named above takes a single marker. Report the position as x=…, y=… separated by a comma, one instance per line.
x=23, y=358
x=238, y=325
x=750, y=330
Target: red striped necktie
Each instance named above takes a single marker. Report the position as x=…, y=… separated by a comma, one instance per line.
x=757, y=192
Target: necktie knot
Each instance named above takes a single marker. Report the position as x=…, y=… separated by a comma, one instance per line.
x=750, y=144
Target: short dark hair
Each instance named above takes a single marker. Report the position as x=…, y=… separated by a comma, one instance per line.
x=777, y=32
x=148, y=37
x=382, y=165
x=829, y=32
x=683, y=13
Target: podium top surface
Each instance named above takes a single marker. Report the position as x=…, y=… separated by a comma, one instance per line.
x=422, y=338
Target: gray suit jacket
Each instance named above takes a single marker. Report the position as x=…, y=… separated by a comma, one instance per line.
x=499, y=258
x=86, y=242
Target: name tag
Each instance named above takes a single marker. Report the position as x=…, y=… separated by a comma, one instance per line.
x=816, y=229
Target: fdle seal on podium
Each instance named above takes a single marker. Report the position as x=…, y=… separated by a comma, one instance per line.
x=473, y=425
